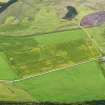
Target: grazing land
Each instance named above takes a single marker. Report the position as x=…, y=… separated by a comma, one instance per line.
x=80, y=83
x=6, y=72
x=97, y=34
x=8, y=92
x=39, y=16
x=38, y=54
x=45, y=57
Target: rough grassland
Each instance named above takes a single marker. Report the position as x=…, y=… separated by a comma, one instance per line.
x=6, y=72
x=33, y=55
x=80, y=83
x=61, y=37
x=98, y=34
x=40, y=17
x=8, y=92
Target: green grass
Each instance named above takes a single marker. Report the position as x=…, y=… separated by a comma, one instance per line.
x=80, y=83
x=38, y=54
x=61, y=37
x=6, y=72
x=8, y=92
x=98, y=34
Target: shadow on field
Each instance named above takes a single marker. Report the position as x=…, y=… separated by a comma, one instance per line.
x=101, y=102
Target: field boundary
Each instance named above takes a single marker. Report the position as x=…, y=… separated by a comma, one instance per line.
x=95, y=43
x=51, y=32
x=90, y=36
x=61, y=68
x=50, y=71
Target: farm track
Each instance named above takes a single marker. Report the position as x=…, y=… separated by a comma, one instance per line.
x=58, y=69
x=53, y=70
x=95, y=43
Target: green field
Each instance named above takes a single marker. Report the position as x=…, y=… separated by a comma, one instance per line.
x=98, y=34
x=8, y=92
x=61, y=37
x=46, y=58
x=6, y=72
x=79, y=83
x=37, y=54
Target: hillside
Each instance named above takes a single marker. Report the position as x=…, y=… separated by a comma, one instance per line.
x=52, y=50
x=26, y=17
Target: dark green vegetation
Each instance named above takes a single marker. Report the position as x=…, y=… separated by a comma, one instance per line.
x=80, y=83
x=99, y=102
x=33, y=55
x=72, y=12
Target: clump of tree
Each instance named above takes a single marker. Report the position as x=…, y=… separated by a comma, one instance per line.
x=72, y=12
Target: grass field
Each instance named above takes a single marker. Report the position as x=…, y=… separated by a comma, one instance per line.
x=40, y=17
x=61, y=37
x=37, y=54
x=44, y=20
x=8, y=92
x=79, y=83
x=6, y=72
x=27, y=55
x=98, y=34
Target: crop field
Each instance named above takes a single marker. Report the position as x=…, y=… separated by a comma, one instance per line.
x=38, y=54
x=80, y=83
x=6, y=72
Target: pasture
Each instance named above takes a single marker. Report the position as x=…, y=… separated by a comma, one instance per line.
x=98, y=34
x=61, y=37
x=44, y=17
x=9, y=92
x=6, y=71
x=38, y=54
x=84, y=82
